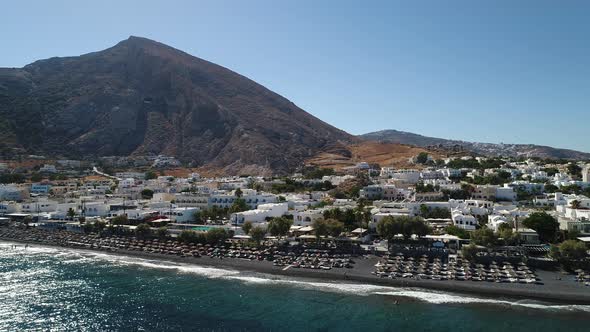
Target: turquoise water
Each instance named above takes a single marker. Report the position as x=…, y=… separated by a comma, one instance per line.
x=45, y=289
x=202, y=228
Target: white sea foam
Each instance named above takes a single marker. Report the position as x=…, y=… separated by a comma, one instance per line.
x=209, y=272
x=434, y=297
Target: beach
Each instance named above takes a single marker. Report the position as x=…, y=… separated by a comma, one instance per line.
x=563, y=291
x=55, y=288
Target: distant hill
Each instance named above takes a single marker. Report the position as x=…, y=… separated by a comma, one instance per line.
x=375, y=153
x=142, y=97
x=485, y=149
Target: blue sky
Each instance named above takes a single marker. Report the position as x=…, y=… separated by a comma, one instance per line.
x=491, y=71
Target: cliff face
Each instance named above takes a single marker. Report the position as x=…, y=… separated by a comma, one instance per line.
x=141, y=97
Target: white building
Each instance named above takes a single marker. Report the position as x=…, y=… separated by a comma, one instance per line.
x=47, y=168
x=307, y=217
x=133, y=175
x=192, y=200
x=127, y=182
x=371, y=192
x=180, y=215
x=42, y=205
x=337, y=179
x=494, y=221
x=165, y=161
x=465, y=221
x=94, y=209
x=410, y=176
x=451, y=172
x=8, y=207
x=261, y=214
x=12, y=193
x=250, y=196
x=505, y=193
x=40, y=188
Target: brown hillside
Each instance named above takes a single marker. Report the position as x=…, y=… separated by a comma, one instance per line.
x=384, y=154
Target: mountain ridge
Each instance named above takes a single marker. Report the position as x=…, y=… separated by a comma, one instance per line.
x=485, y=149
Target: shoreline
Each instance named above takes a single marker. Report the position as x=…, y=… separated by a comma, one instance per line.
x=567, y=292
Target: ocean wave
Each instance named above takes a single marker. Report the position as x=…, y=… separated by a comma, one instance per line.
x=423, y=295
x=69, y=255
x=121, y=260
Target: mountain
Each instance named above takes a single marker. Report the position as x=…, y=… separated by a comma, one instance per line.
x=484, y=149
x=142, y=97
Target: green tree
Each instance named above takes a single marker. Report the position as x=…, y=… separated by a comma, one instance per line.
x=98, y=226
x=424, y=210
x=573, y=250
x=508, y=236
x=162, y=233
x=550, y=188
x=216, y=235
x=143, y=231
x=257, y=234
x=469, y=252
x=576, y=204
x=544, y=224
x=457, y=231
x=36, y=177
x=150, y=175
x=198, y=217
x=187, y=236
x=362, y=214
x=484, y=237
x=147, y=193
x=238, y=193
x=574, y=170
x=317, y=173
x=71, y=213
x=87, y=227
x=388, y=228
x=412, y=225
x=238, y=205
x=279, y=226
x=12, y=178
x=334, y=227
x=551, y=171
x=120, y=220
x=247, y=227
x=422, y=158
x=320, y=228
x=573, y=235
x=27, y=220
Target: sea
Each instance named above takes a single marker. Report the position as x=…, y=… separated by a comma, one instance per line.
x=54, y=289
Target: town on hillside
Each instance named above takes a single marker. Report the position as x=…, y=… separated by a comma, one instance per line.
x=461, y=218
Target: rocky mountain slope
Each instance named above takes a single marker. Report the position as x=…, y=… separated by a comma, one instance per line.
x=485, y=149
x=141, y=97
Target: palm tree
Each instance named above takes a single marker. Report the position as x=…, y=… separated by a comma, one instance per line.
x=71, y=213
x=576, y=204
